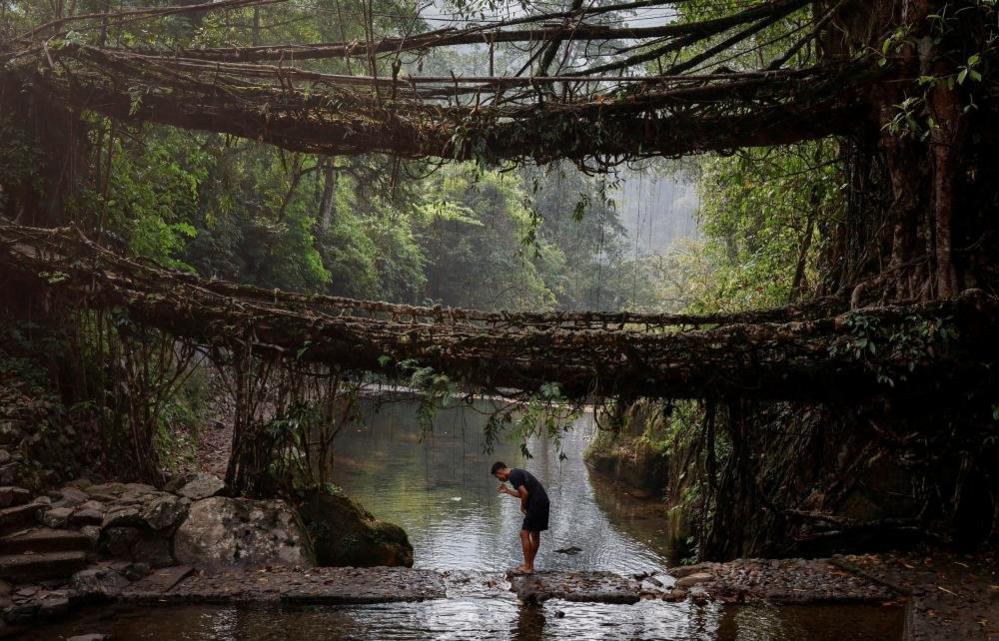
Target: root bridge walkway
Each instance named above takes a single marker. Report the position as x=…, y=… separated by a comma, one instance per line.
x=817, y=351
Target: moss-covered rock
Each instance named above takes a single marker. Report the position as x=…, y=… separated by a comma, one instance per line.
x=345, y=534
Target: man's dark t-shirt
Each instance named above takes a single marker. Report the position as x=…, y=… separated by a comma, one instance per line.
x=536, y=518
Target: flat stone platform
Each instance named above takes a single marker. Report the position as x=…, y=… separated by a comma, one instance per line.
x=788, y=581
x=286, y=585
x=947, y=597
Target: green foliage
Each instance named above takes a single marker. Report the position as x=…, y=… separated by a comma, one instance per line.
x=580, y=240
x=292, y=432
x=547, y=413
x=436, y=390
x=145, y=190
x=756, y=52
x=470, y=230
x=905, y=346
x=761, y=214
x=963, y=54
x=19, y=162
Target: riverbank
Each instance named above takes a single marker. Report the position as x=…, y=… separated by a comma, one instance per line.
x=948, y=596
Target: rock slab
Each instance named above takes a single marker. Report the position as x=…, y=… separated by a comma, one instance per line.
x=202, y=486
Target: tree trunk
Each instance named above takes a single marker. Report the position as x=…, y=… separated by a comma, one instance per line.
x=326, y=204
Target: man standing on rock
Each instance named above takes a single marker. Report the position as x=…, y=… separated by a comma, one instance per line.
x=533, y=505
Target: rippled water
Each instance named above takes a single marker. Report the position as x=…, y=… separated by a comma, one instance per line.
x=499, y=619
x=437, y=486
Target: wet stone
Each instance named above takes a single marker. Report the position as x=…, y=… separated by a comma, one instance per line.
x=20, y=613
x=699, y=596
x=8, y=473
x=81, y=483
x=99, y=581
x=118, y=541
x=675, y=595
x=154, y=549
x=109, y=490
x=694, y=579
x=282, y=584
x=10, y=496
x=162, y=580
x=133, y=571
x=72, y=497
x=86, y=516
x=596, y=587
x=53, y=606
x=92, y=532
x=123, y=517
x=221, y=530
x=56, y=517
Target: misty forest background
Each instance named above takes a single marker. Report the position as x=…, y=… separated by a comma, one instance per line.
x=713, y=233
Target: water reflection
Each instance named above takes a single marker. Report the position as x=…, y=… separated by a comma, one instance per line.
x=530, y=623
x=438, y=488
x=499, y=619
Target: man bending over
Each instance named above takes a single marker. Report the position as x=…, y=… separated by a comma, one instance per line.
x=533, y=505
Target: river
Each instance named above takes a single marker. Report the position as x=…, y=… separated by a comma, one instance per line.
x=437, y=486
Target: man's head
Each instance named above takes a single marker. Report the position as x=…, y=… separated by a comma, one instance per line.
x=500, y=470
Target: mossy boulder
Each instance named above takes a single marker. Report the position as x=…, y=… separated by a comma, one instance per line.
x=345, y=534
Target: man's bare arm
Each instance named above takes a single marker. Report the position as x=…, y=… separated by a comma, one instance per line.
x=505, y=490
x=523, y=498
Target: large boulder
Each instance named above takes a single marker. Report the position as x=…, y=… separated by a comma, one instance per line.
x=225, y=531
x=345, y=534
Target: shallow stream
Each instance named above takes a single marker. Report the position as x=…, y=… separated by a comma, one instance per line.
x=437, y=486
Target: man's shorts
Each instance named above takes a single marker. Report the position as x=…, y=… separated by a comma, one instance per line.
x=536, y=519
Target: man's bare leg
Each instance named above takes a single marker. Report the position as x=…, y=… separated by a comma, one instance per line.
x=526, y=544
x=535, y=546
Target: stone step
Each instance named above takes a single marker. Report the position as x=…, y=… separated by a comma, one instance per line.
x=19, y=568
x=13, y=496
x=42, y=540
x=19, y=516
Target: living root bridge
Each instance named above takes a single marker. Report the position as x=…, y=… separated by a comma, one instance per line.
x=945, y=347
x=452, y=117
